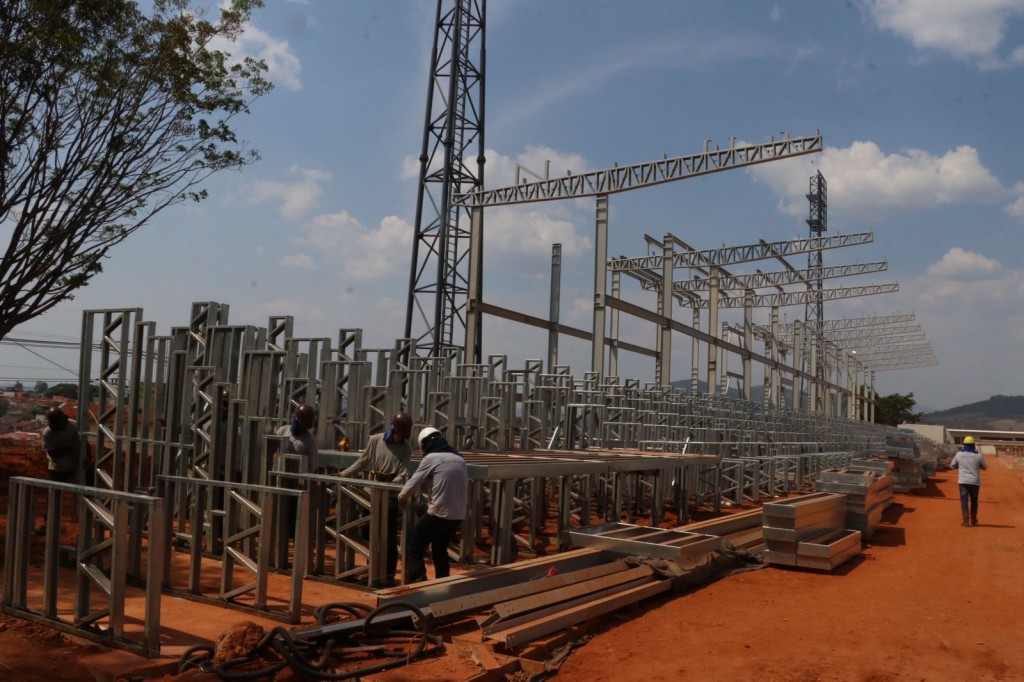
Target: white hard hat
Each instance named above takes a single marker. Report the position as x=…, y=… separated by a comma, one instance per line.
x=426, y=433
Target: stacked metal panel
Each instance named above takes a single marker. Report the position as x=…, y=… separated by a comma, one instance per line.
x=808, y=532
x=882, y=467
x=907, y=473
x=867, y=496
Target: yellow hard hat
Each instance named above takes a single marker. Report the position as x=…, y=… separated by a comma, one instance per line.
x=969, y=440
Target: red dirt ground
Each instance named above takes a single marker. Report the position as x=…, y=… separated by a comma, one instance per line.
x=927, y=600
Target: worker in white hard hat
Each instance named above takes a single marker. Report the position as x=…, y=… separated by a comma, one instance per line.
x=447, y=506
x=969, y=462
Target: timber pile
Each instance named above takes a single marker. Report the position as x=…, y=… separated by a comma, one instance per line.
x=808, y=532
x=867, y=496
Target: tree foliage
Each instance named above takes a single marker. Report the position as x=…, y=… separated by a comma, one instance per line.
x=5, y=405
x=41, y=387
x=63, y=390
x=895, y=409
x=107, y=117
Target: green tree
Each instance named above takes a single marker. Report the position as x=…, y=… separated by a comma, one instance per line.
x=4, y=405
x=108, y=115
x=896, y=408
x=41, y=387
x=65, y=390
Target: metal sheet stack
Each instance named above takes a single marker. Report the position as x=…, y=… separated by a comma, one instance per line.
x=809, y=532
x=905, y=455
x=867, y=496
x=907, y=474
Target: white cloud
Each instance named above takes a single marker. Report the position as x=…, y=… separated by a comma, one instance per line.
x=500, y=170
x=863, y=178
x=963, y=266
x=968, y=29
x=361, y=252
x=517, y=231
x=510, y=232
x=775, y=14
x=296, y=198
x=1016, y=208
x=283, y=66
x=298, y=260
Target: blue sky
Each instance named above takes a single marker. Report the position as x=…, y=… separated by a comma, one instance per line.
x=920, y=103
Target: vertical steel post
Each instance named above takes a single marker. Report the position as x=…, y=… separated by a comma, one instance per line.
x=475, y=287
x=600, y=282
x=748, y=342
x=553, y=306
x=613, y=324
x=665, y=310
x=695, y=355
x=712, y=375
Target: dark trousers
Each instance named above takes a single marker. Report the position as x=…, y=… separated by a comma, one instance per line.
x=969, y=492
x=437, y=533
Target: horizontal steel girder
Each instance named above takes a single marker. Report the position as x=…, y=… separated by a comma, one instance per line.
x=840, y=325
x=731, y=255
x=760, y=280
x=621, y=179
x=796, y=297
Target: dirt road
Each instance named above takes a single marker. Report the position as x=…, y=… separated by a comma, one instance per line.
x=927, y=600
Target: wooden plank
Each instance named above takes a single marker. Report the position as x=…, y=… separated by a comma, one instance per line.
x=537, y=601
x=526, y=632
x=479, y=600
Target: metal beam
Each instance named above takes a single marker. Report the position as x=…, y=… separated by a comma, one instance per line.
x=760, y=280
x=800, y=297
x=731, y=255
x=840, y=337
x=621, y=179
x=839, y=325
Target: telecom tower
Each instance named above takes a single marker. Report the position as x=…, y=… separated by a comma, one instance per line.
x=817, y=221
x=453, y=135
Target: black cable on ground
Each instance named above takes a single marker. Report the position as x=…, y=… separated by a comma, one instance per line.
x=318, y=653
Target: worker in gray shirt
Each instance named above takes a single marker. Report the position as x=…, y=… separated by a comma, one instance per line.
x=446, y=509
x=388, y=457
x=969, y=462
x=301, y=439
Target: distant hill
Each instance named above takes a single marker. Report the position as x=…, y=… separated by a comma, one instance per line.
x=998, y=413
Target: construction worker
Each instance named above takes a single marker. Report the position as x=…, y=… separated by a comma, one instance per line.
x=969, y=462
x=388, y=457
x=62, y=446
x=63, y=450
x=301, y=440
x=447, y=506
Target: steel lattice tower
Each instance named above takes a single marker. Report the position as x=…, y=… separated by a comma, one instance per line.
x=454, y=129
x=814, y=309
x=818, y=223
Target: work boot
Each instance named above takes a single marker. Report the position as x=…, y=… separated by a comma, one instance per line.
x=974, y=520
x=967, y=522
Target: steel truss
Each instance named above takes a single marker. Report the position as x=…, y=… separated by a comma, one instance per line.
x=453, y=134
x=548, y=452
